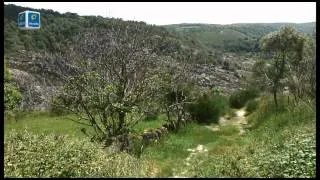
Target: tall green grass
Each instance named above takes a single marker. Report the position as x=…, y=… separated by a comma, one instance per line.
x=171, y=151
x=281, y=143
x=44, y=122
x=150, y=123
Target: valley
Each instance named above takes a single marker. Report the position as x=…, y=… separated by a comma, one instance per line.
x=89, y=96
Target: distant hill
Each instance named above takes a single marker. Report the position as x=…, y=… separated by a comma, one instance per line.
x=242, y=37
x=202, y=41
x=37, y=58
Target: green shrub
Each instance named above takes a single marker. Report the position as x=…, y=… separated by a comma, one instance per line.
x=12, y=95
x=9, y=115
x=252, y=105
x=56, y=107
x=30, y=155
x=151, y=114
x=208, y=108
x=239, y=98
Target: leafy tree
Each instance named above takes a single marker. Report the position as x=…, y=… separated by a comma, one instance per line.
x=302, y=78
x=285, y=47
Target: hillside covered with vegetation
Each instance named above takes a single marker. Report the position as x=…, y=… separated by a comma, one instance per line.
x=235, y=37
x=57, y=31
x=89, y=96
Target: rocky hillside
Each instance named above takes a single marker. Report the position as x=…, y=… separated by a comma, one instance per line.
x=38, y=59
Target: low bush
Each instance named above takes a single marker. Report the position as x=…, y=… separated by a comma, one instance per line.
x=239, y=98
x=252, y=105
x=56, y=107
x=151, y=114
x=208, y=108
x=12, y=96
x=30, y=155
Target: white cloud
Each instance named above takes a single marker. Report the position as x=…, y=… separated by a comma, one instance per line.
x=161, y=13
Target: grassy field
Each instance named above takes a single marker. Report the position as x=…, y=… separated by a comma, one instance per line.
x=167, y=153
x=44, y=122
x=279, y=143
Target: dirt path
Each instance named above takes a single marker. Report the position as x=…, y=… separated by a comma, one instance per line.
x=239, y=120
x=200, y=149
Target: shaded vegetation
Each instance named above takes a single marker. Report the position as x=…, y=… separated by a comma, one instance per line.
x=208, y=108
x=252, y=105
x=239, y=98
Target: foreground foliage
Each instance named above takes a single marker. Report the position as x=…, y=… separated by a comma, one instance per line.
x=31, y=155
x=282, y=143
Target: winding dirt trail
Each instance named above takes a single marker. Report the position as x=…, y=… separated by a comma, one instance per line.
x=239, y=121
x=200, y=149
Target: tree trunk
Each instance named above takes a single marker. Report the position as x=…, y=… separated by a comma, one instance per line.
x=121, y=121
x=168, y=114
x=275, y=97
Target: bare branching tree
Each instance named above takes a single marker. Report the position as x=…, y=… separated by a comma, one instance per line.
x=114, y=77
x=176, y=83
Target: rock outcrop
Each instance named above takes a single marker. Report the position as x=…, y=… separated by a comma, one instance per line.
x=40, y=75
x=211, y=76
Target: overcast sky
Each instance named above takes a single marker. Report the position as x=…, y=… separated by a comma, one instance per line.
x=161, y=13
